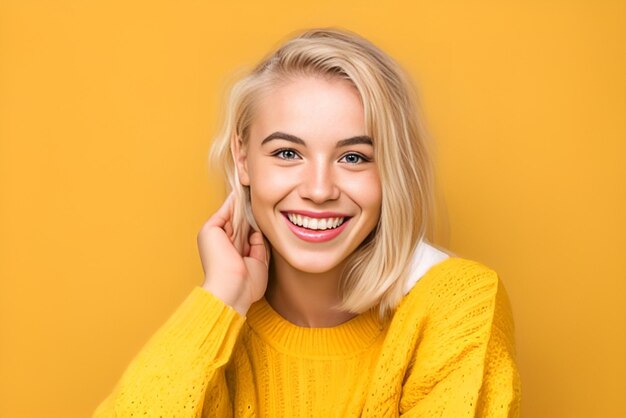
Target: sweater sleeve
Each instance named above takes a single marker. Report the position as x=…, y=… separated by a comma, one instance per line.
x=465, y=363
x=182, y=362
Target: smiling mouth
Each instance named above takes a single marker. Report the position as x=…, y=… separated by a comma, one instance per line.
x=315, y=224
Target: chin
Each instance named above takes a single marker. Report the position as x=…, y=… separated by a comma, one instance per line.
x=313, y=268
x=312, y=263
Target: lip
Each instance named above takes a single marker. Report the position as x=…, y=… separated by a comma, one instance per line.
x=316, y=215
x=310, y=235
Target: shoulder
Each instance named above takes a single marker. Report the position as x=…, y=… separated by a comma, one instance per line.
x=458, y=274
x=436, y=268
x=447, y=282
x=425, y=257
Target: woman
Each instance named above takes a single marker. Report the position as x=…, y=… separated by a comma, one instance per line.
x=321, y=295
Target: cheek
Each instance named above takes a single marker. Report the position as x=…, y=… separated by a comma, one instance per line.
x=268, y=186
x=366, y=191
x=270, y=182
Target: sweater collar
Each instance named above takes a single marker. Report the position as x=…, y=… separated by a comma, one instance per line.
x=348, y=338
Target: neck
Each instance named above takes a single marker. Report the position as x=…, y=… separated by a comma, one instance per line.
x=305, y=299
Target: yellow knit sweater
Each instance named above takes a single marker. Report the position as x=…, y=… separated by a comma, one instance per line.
x=447, y=351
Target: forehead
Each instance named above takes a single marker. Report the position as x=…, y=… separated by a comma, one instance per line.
x=312, y=108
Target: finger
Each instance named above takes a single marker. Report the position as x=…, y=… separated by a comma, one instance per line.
x=228, y=228
x=224, y=213
x=241, y=243
x=246, y=245
x=258, y=248
x=208, y=239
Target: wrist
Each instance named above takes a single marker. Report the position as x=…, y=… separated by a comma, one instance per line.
x=231, y=298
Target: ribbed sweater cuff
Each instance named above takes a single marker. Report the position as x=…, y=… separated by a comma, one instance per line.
x=206, y=323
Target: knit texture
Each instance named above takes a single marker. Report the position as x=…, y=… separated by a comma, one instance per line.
x=448, y=351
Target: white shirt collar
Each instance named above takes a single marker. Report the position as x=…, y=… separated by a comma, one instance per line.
x=424, y=257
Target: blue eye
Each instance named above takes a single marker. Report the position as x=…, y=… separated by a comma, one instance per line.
x=285, y=154
x=353, y=158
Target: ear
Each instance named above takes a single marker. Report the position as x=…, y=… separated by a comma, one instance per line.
x=240, y=156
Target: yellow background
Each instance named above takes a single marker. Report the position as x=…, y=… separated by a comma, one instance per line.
x=107, y=110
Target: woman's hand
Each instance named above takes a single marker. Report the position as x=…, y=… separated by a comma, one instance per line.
x=236, y=271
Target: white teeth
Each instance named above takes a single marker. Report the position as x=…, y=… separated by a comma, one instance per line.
x=315, y=223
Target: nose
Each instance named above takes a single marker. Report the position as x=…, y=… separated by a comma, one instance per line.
x=319, y=182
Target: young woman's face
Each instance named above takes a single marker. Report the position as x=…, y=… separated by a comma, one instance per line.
x=308, y=162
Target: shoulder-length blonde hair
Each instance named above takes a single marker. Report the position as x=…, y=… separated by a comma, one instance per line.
x=377, y=270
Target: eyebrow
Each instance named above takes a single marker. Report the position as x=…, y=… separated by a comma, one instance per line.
x=360, y=139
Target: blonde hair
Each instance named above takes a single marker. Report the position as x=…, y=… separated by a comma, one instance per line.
x=377, y=270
